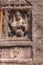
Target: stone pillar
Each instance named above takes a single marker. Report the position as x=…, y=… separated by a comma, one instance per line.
x=5, y=24
x=29, y=14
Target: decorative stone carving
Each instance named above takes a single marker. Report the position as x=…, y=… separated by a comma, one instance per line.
x=17, y=19
x=19, y=26
x=16, y=52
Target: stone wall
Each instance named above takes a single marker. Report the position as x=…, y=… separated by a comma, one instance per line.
x=37, y=9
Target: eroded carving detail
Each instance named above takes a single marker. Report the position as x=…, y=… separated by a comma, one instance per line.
x=16, y=52
x=17, y=23
x=19, y=26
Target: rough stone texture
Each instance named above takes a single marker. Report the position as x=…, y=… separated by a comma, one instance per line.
x=37, y=9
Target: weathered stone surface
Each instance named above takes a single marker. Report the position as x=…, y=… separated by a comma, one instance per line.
x=37, y=29
x=37, y=7
x=16, y=52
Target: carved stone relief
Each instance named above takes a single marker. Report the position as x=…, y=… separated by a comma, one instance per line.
x=17, y=19
x=17, y=24
x=16, y=52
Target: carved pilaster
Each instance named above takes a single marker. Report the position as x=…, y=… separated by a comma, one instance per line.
x=5, y=24
x=29, y=15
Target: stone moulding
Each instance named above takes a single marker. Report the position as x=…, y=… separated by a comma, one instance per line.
x=15, y=43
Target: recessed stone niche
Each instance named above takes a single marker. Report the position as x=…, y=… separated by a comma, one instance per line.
x=17, y=21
